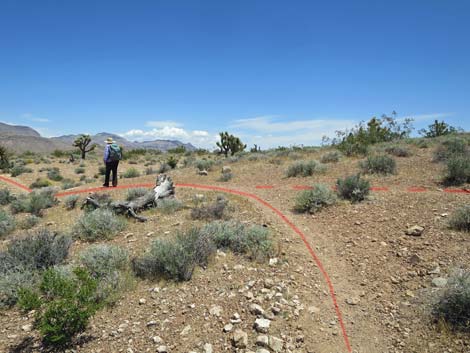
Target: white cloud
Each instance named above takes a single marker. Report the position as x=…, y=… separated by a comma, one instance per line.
x=159, y=124
x=426, y=117
x=40, y=120
x=32, y=117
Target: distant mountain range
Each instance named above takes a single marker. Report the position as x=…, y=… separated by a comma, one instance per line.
x=23, y=138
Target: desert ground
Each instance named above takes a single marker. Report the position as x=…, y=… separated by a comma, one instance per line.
x=382, y=277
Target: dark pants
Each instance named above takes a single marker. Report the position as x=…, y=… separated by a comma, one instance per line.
x=111, y=167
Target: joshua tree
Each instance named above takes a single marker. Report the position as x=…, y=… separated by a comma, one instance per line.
x=82, y=143
x=229, y=143
x=4, y=158
x=438, y=129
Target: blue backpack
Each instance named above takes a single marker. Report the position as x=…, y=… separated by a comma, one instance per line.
x=115, y=153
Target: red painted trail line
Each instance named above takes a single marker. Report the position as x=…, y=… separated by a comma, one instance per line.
x=463, y=191
x=302, y=236
x=416, y=189
x=378, y=188
x=12, y=182
x=302, y=187
x=264, y=187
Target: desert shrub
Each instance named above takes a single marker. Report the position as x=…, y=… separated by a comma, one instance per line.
x=330, y=157
x=422, y=143
x=164, y=167
x=314, y=200
x=449, y=148
x=12, y=280
x=98, y=224
x=353, y=188
x=131, y=173
x=69, y=184
x=19, y=169
x=212, y=211
x=135, y=193
x=29, y=222
x=175, y=258
x=458, y=170
x=5, y=155
x=380, y=164
x=133, y=162
x=79, y=170
x=7, y=223
x=54, y=174
x=102, y=170
x=110, y=265
x=6, y=197
x=41, y=250
x=35, y=202
x=40, y=183
x=71, y=201
x=28, y=299
x=460, y=219
x=150, y=171
x=253, y=241
x=454, y=304
x=398, y=151
x=68, y=302
x=304, y=168
x=172, y=162
x=177, y=150
x=204, y=164
x=169, y=206
x=226, y=176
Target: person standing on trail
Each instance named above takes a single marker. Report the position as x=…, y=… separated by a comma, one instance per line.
x=112, y=156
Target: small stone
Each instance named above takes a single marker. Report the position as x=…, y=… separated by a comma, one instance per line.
x=186, y=330
x=215, y=310
x=313, y=310
x=415, y=231
x=353, y=301
x=162, y=349
x=240, y=339
x=256, y=309
x=27, y=327
x=273, y=261
x=228, y=328
x=262, y=341
x=207, y=348
x=275, y=344
x=262, y=350
x=142, y=301
x=439, y=282
x=157, y=339
x=262, y=325
x=151, y=323
x=435, y=271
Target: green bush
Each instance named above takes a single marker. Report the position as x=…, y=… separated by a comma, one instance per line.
x=204, y=164
x=253, y=241
x=460, y=219
x=29, y=222
x=79, y=170
x=40, y=183
x=330, y=157
x=215, y=210
x=454, y=304
x=304, y=168
x=12, y=280
x=353, y=188
x=19, y=169
x=28, y=299
x=172, y=162
x=71, y=201
x=7, y=223
x=110, y=265
x=227, y=176
x=169, y=206
x=164, y=167
x=69, y=302
x=175, y=258
x=131, y=173
x=380, y=164
x=449, y=148
x=135, y=193
x=398, y=151
x=150, y=171
x=97, y=225
x=458, y=170
x=314, y=200
x=6, y=197
x=69, y=184
x=54, y=174
x=35, y=202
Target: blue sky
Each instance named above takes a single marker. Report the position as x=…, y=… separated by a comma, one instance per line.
x=272, y=72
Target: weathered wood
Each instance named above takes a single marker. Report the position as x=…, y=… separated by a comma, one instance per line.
x=164, y=189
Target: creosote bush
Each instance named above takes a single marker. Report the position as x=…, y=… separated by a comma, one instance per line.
x=454, y=304
x=97, y=225
x=454, y=146
x=227, y=176
x=19, y=169
x=40, y=183
x=458, y=170
x=131, y=173
x=6, y=197
x=353, y=188
x=460, y=219
x=135, y=193
x=35, y=202
x=304, y=168
x=314, y=200
x=380, y=164
x=204, y=164
x=29, y=222
x=54, y=174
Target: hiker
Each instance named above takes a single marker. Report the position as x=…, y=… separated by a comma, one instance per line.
x=112, y=156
